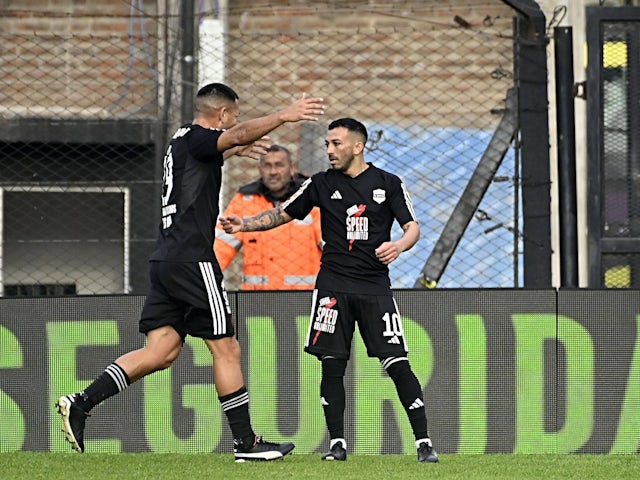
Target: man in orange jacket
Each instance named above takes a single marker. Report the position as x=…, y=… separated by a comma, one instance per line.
x=286, y=258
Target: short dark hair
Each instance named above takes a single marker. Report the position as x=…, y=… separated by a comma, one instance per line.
x=352, y=125
x=279, y=148
x=218, y=90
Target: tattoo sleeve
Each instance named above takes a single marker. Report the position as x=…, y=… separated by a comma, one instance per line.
x=263, y=221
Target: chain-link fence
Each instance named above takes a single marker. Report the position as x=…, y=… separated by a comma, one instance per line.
x=90, y=93
x=620, y=171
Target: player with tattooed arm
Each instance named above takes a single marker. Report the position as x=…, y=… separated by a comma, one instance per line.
x=358, y=204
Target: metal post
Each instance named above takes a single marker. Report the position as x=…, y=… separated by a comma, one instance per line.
x=565, y=118
x=187, y=23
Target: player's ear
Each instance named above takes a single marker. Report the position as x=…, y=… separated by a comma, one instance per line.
x=222, y=111
x=358, y=148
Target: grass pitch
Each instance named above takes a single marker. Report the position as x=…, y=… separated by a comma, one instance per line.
x=157, y=466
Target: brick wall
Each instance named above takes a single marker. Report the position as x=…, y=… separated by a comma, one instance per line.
x=405, y=62
x=76, y=59
x=344, y=49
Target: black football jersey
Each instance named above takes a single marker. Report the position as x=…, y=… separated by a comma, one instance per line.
x=356, y=215
x=190, y=192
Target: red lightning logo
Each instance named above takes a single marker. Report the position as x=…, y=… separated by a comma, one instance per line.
x=328, y=305
x=358, y=213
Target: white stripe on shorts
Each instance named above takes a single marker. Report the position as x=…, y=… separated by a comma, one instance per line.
x=311, y=315
x=404, y=341
x=216, y=302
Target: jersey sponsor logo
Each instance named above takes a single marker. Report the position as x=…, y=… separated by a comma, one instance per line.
x=181, y=132
x=326, y=317
x=336, y=195
x=167, y=186
x=357, y=225
x=169, y=210
x=327, y=302
x=379, y=195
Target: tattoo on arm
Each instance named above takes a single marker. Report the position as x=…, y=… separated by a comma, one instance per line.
x=263, y=221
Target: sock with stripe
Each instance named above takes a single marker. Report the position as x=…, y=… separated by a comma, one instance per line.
x=410, y=394
x=113, y=380
x=236, y=408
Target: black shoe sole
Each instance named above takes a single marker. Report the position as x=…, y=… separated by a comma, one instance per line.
x=273, y=455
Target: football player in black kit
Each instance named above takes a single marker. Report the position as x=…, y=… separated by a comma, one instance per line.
x=186, y=295
x=358, y=205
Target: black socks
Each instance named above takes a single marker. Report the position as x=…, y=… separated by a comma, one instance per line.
x=113, y=380
x=236, y=408
x=410, y=394
x=333, y=395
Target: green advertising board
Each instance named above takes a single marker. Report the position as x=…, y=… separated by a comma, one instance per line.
x=504, y=371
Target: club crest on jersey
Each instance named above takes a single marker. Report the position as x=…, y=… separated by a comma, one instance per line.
x=379, y=195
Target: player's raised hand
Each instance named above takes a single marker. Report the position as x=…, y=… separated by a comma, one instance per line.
x=306, y=108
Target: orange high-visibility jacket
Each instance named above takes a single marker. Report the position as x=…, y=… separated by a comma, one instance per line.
x=283, y=258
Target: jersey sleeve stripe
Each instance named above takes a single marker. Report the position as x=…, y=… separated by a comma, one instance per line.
x=302, y=188
x=409, y=202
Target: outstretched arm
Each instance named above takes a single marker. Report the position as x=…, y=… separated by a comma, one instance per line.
x=389, y=251
x=306, y=108
x=253, y=150
x=263, y=221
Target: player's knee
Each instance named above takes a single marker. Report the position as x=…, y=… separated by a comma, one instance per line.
x=171, y=357
x=158, y=357
x=164, y=364
x=333, y=367
x=396, y=366
x=164, y=360
x=224, y=349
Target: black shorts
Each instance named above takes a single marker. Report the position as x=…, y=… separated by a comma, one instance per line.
x=333, y=319
x=188, y=296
